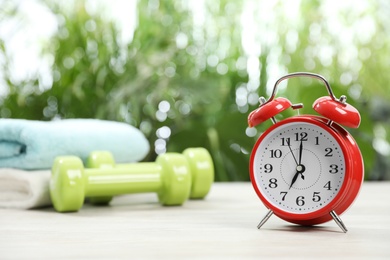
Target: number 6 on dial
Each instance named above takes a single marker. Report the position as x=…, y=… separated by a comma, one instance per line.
x=306, y=169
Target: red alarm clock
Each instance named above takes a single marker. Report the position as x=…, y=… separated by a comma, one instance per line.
x=306, y=169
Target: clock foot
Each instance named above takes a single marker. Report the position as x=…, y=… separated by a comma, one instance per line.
x=338, y=220
x=267, y=216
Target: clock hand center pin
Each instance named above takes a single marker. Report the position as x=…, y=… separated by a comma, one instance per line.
x=300, y=170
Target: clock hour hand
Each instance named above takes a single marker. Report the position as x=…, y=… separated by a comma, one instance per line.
x=300, y=170
x=294, y=179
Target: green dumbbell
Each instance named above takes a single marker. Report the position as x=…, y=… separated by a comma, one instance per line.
x=173, y=177
x=199, y=161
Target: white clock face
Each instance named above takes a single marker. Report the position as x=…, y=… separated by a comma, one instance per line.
x=299, y=167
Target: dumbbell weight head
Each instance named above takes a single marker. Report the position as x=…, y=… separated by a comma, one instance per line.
x=202, y=171
x=106, y=161
x=67, y=184
x=175, y=177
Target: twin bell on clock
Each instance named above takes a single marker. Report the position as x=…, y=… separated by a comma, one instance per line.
x=306, y=169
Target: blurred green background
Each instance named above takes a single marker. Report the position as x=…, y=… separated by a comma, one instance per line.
x=188, y=73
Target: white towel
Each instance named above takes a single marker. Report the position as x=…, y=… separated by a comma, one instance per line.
x=24, y=189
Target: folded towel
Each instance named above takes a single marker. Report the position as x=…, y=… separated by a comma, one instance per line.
x=26, y=144
x=23, y=189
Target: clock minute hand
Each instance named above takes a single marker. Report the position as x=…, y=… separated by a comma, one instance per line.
x=300, y=153
x=289, y=147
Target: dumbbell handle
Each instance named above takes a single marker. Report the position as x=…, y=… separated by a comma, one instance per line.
x=136, y=178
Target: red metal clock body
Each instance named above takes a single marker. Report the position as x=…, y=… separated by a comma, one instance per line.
x=307, y=169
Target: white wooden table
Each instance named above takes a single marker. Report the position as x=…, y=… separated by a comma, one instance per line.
x=221, y=227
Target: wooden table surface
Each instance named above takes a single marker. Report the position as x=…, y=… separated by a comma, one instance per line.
x=221, y=226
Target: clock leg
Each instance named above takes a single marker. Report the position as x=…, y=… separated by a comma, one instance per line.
x=267, y=216
x=338, y=220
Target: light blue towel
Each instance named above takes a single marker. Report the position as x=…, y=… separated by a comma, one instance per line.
x=30, y=145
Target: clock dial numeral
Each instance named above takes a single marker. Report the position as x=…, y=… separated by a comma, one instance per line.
x=268, y=168
x=300, y=201
x=334, y=168
x=273, y=183
x=276, y=153
x=302, y=136
x=317, y=142
x=329, y=152
x=327, y=186
x=283, y=193
x=286, y=141
x=316, y=196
